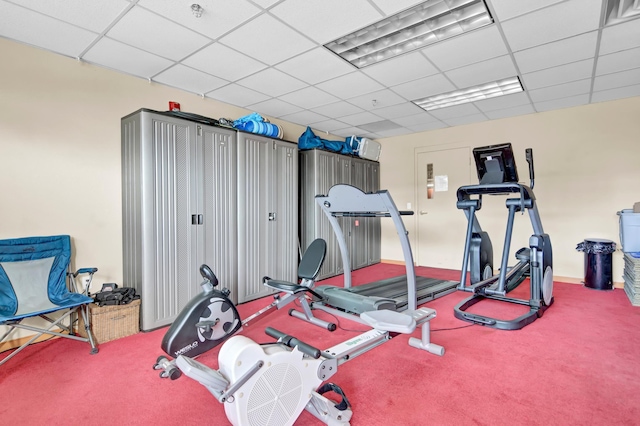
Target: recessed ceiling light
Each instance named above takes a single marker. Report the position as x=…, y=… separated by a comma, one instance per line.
x=415, y=28
x=502, y=87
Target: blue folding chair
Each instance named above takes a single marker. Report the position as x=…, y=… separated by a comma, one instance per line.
x=35, y=281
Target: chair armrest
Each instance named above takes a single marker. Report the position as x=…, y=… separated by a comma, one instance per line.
x=85, y=271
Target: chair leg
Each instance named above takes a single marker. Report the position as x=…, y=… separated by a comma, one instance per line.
x=84, y=311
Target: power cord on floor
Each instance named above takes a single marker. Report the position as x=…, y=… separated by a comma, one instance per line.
x=453, y=328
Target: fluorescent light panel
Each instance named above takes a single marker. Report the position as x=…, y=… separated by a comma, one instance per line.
x=621, y=10
x=502, y=87
x=415, y=28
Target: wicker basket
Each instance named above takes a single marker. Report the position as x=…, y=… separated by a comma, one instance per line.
x=112, y=322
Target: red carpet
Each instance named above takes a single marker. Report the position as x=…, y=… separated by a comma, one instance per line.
x=577, y=365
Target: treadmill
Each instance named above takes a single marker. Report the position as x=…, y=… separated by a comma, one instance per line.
x=397, y=293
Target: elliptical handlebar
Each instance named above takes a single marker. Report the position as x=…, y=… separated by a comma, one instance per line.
x=529, y=155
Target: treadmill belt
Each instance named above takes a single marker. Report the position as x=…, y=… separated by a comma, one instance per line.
x=396, y=288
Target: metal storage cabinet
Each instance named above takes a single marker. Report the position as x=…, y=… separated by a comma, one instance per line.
x=319, y=171
x=267, y=212
x=179, y=198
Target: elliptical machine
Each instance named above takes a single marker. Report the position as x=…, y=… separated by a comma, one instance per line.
x=498, y=175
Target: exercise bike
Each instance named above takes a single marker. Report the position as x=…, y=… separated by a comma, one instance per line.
x=210, y=318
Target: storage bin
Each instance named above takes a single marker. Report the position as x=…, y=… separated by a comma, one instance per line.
x=629, y=231
x=112, y=322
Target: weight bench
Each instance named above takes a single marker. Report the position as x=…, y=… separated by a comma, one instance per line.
x=34, y=282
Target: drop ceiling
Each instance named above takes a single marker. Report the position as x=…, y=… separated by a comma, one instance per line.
x=267, y=56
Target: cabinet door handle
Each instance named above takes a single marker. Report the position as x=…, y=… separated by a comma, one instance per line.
x=272, y=216
x=200, y=219
x=194, y=219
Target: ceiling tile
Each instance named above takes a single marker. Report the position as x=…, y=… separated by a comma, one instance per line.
x=553, y=23
x=218, y=16
x=338, y=109
x=33, y=28
x=620, y=37
x=348, y=131
x=265, y=3
x=393, y=132
x=400, y=110
x=377, y=100
x=619, y=61
x=465, y=49
x=415, y=119
x=303, y=117
x=267, y=40
x=428, y=86
x=235, y=94
x=360, y=118
x=327, y=126
x=615, y=80
x=561, y=91
x=122, y=57
x=188, y=79
x=379, y=126
x=400, y=69
x=275, y=108
x=619, y=93
x=502, y=102
x=223, y=62
x=93, y=15
x=510, y=112
x=557, y=53
x=148, y=31
x=391, y=7
x=558, y=75
x=483, y=72
x=562, y=103
x=507, y=9
x=467, y=119
x=350, y=85
x=425, y=127
x=455, y=111
x=315, y=66
x=272, y=82
x=309, y=97
x=318, y=20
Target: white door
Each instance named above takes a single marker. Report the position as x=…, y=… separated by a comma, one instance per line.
x=441, y=226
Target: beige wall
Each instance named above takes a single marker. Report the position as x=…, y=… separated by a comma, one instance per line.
x=587, y=169
x=60, y=149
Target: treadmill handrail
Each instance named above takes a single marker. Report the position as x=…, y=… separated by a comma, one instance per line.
x=344, y=198
x=371, y=214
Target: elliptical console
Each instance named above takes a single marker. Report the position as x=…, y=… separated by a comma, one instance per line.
x=498, y=175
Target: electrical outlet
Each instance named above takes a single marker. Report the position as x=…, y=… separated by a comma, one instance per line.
x=86, y=281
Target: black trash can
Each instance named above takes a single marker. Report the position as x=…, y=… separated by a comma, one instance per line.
x=598, y=255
